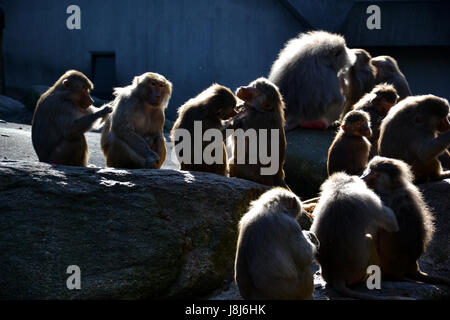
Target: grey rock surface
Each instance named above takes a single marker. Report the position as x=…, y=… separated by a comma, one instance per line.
x=134, y=234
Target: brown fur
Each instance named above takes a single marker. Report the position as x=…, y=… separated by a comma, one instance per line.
x=345, y=218
x=264, y=112
x=62, y=115
x=349, y=151
x=416, y=131
x=399, y=251
x=387, y=71
x=377, y=104
x=273, y=256
x=210, y=107
x=358, y=80
x=133, y=136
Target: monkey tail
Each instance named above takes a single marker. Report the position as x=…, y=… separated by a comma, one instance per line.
x=340, y=287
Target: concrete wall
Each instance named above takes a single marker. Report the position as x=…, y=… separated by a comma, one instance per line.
x=194, y=43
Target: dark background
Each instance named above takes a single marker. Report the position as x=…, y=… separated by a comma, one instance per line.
x=197, y=42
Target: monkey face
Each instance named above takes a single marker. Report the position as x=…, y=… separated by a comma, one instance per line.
x=155, y=93
x=444, y=124
x=85, y=100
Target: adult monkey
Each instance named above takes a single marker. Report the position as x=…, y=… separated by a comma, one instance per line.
x=263, y=108
x=387, y=70
x=273, y=255
x=358, y=80
x=62, y=115
x=346, y=217
x=399, y=251
x=210, y=107
x=133, y=136
x=306, y=72
x=416, y=130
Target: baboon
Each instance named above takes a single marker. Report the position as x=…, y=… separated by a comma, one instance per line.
x=377, y=104
x=62, y=115
x=306, y=72
x=358, y=80
x=349, y=151
x=345, y=219
x=211, y=106
x=274, y=257
x=387, y=70
x=133, y=136
x=399, y=251
x=416, y=130
x=263, y=109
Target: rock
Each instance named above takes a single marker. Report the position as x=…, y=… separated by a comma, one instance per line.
x=134, y=234
x=306, y=160
x=14, y=111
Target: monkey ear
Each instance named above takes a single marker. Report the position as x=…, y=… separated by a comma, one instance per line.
x=65, y=83
x=292, y=203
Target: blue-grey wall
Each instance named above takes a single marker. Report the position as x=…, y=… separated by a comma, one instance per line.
x=197, y=42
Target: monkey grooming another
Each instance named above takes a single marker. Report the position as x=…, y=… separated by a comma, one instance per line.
x=416, y=130
x=211, y=106
x=377, y=104
x=399, y=251
x=274, y=257
x=62, y=115
x=346, y=216
x=349, y=151
x=358, y=80
x=263, y=109
x=133, y=136
x=306, y=72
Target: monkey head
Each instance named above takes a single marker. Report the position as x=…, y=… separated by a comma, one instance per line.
x=153, y=88
x=384, y=174
x=282, y=200
x=76, y=87
x=385, y=97
x=385, y=66
x=432, y=113
x=222, y=102
x=362, y=57
x=262, y=95
x=357, y=123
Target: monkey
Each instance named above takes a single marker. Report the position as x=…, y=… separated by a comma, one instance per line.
x=398, y=252
x=273, y=256
x=416, y=130
x=345, y=218
x=211, y=106
x=263, y=109
x=133, y=136
x=358, y=80
x=387, y=70
x=62, y=115
x=349, y=151
x=377, y=104
x=306, y=73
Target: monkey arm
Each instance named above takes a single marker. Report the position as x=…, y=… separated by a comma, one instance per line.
x=435, y=148
x=81, y=125
x=139, y=145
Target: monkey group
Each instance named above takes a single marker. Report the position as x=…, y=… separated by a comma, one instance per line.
x=369, y=211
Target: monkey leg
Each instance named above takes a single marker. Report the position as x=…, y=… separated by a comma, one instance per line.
x=70, y=153
x=418, y=275
x=122, y=156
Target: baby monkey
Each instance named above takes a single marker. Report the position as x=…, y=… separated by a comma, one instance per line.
x=350, y=149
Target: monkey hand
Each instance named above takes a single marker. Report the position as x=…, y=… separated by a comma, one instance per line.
x=106, y=110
